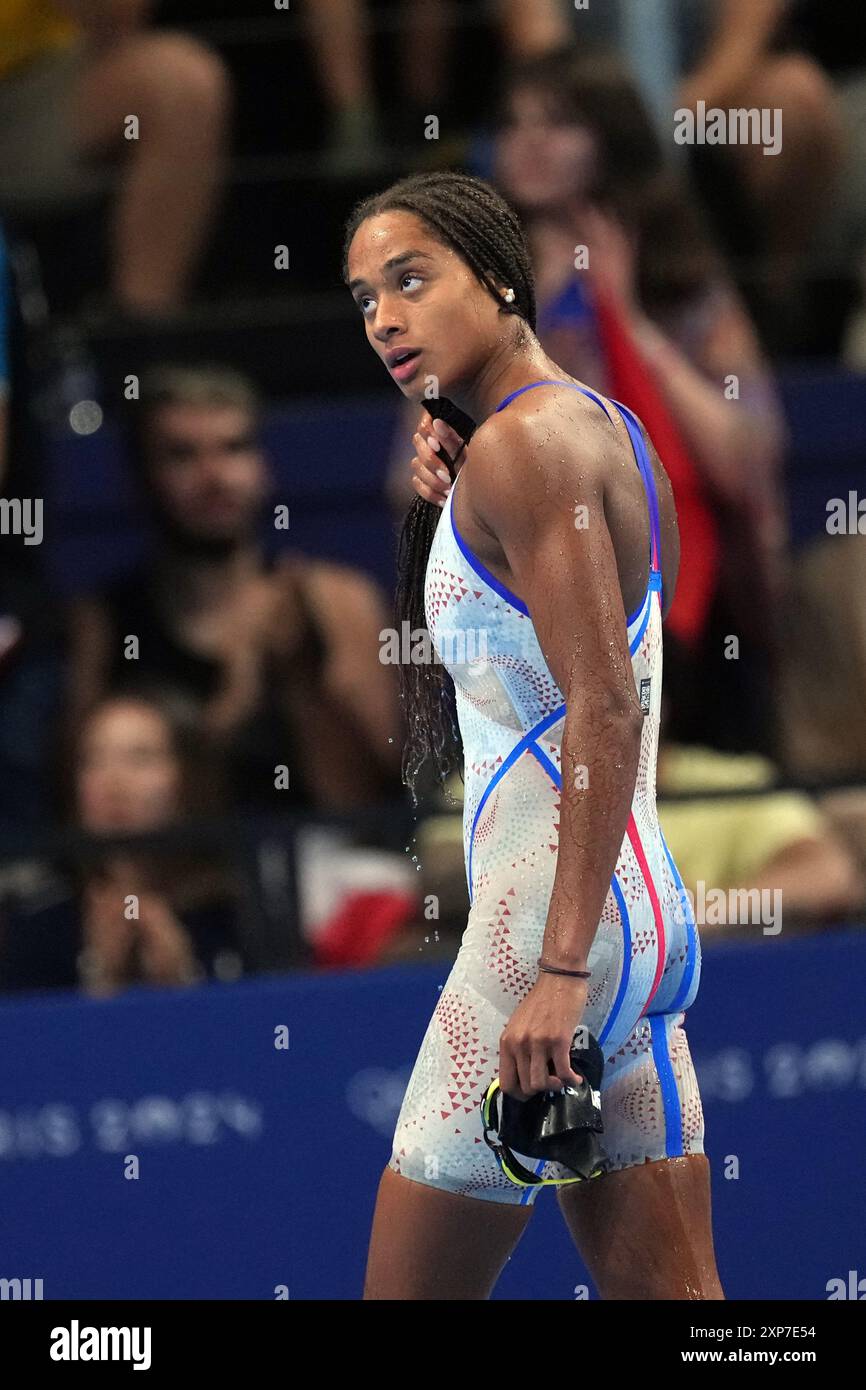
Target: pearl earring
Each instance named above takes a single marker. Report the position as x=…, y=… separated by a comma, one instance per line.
x=509, y=296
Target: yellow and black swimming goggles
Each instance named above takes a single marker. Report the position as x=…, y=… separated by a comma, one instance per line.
x=556, y=1126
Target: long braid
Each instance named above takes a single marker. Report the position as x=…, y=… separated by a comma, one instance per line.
x=467, y=214
x=426, y=690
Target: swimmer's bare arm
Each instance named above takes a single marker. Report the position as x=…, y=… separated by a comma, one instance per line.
x=524, y=486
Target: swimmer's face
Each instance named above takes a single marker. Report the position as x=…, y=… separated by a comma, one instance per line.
x=543, y=157
x=415, y=292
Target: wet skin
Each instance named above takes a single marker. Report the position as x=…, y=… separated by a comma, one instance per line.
x=644, y=1232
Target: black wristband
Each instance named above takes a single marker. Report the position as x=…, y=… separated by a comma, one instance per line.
x=556, y=970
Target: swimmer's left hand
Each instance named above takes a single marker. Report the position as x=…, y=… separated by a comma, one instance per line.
x=535, y=1045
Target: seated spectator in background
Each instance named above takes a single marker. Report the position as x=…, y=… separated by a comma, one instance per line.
x=649, y=315
x=748, y=54
x=798, y=217
x=281, y=655
x=833, y=34
x=132, y=917
x=72, y=74
x=823, y=708
x=340, y=34
x=779, y=841
x=654, y=320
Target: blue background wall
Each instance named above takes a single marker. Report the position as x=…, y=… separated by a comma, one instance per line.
x=259, y=1167
x=330, y=459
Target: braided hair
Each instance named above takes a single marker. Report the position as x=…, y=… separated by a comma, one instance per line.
x=467, y=214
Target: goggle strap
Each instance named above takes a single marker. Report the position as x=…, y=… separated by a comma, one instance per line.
x=515, y=1170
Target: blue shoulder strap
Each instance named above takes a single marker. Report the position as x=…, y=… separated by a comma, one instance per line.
x=640, y=452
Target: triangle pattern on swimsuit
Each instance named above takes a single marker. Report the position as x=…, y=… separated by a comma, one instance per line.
x=645, y=958
x=511, y=715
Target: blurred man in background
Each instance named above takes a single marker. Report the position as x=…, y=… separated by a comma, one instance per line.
x=282, y=656
x=83, y=85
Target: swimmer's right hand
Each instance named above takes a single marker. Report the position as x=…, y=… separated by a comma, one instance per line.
x=429, y=465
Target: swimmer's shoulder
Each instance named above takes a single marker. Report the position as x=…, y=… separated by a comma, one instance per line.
x=539, y=444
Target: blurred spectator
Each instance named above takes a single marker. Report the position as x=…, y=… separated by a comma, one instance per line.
x=782, y=841
x=769, y=55
x=833, y=33
x=340, y=36
x=74, y=77
x=138, y=765
x=650, y=316
x=823, y=708
x=281, y=655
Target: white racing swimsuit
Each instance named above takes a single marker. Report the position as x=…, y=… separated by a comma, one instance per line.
x=645, y=959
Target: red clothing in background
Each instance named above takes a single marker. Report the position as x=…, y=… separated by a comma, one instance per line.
x=631, y=381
